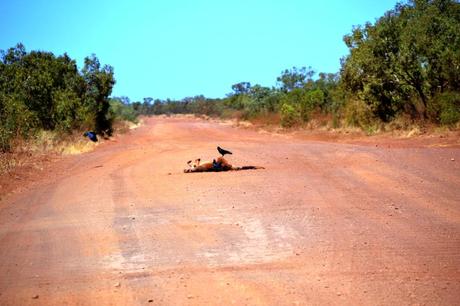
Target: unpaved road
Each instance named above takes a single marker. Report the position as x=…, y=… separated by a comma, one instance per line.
x=324, y=223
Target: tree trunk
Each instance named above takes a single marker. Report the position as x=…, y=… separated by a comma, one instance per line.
x=422, y=96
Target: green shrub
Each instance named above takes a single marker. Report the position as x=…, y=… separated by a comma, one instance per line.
x=69, y=113
x=290, y=116
x=358, y=114
x=15, y=121
x=118, y=110
x=310, y=101
x=450, y=115
x=445, y=108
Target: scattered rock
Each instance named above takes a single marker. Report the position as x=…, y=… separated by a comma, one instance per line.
x=190, y=296
x=150, y=301
x=452, y=159
x=117, y=285
x=35, y=296
x=169, y=173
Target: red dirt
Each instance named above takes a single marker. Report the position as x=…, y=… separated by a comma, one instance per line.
x=324, y=223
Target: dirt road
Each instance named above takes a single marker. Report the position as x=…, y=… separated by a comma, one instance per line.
x=324, y=223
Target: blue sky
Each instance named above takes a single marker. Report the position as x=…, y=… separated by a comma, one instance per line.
x=181, y=48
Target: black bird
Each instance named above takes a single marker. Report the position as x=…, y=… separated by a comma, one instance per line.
x=222, y=151
x=91, y=135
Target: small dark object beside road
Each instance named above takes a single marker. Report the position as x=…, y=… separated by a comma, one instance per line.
x=91, y=135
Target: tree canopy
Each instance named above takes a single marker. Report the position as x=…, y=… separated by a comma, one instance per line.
x=407, y=59
x=39, y=90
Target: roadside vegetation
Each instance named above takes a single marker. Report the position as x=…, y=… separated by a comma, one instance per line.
x=44, y=98
x=402, y=70
x=46, y=103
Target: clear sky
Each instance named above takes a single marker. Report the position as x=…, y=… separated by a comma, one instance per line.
x=181, y=48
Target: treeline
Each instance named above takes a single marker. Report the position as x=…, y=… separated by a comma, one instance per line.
x=41, y=91
x=149, y=106
x=406, y=64
x=297, y=99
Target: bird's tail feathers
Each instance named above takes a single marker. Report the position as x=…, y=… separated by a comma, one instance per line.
x=247, y=168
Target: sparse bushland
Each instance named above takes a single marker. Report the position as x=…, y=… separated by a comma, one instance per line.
x=404, y=66
x=46, y=103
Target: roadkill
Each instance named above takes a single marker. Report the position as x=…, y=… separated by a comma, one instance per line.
x=216, y=165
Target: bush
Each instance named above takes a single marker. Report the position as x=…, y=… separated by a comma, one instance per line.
x=68, y=113
x=445, y=108
x=311, y=100
x=15, y=121
x=290, y=116
x=450, y=115
x=118, y=110
x=358, y=114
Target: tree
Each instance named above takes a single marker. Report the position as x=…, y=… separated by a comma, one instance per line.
x=241, y=88
x=409, y=56
x=295, y=78
x=39, y=90
x=148, y=100
x=99, y=84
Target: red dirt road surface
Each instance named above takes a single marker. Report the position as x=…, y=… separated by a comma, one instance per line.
x=324, y=223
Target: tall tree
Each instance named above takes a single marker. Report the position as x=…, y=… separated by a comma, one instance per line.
x=295, y=78
x=99, y=82
x=241, y=88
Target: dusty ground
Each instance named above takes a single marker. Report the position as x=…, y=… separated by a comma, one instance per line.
x=324, y=223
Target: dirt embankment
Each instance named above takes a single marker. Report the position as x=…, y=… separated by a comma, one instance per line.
x=326, y=222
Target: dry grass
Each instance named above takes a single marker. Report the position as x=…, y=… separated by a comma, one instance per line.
x=78, y=147
x=52, y=142
x=29, y=157
x=122, y=127
x=45, y=143
x=400, y=128
x=8, y=161
x=266, y=120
